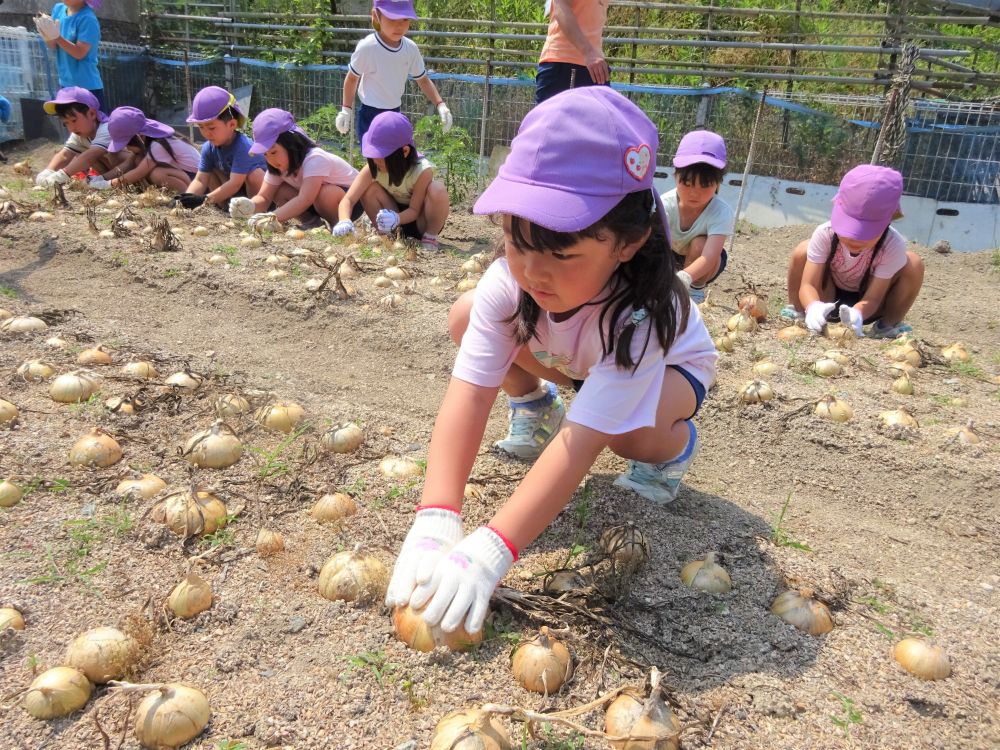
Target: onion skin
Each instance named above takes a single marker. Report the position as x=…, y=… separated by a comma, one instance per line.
x=334, y=508
x=411, y=629
x=791, y=333
x=955, y=353
x=834, y=409
x=11, y=618
x=805, y=613
x=190, y=597
x=756, y=392
x=140, y=369
x=188, y=513
x=10, y=494
x=543, y=664
x=633, y=714
x=754, y=305
x=74, y=387
x=146, y=486
x=353, y=576
x=395, y=467
x=764, y=369
x=57, y=692
x=187, y=381
x=742, y=322
x=8, y=412
x=469, y=729
x=706, y=575
x=96, y=449
x=102, y=654
x=924, y=660
x=97, y=355
x=171, y=716
x=214, y=448
x=345, y=439
x=899, y=417
x=626, y=545
x=283, y=416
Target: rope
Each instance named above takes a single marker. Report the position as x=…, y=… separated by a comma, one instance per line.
x=746, y=168
x=892, y=135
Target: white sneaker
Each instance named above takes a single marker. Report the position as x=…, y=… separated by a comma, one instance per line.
x=533, y=424
x=659, y=483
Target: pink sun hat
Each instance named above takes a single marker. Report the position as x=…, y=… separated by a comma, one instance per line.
x=867, y=202
x=268, y=125
x=127, y=122
x=396, y=9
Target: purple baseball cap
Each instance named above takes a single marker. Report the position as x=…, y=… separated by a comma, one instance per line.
x=95, y=4
x=701, y=147
x=128, y=122
x=75, y=95
x=867, y=202
x=396, y=9
x=268, y=125
x=389, y=132
x=573, y=159
x=211, y=102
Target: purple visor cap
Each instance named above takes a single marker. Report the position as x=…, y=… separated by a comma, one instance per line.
x=211, y=102
x=268, y=125
x=396, y=9
x=574, y=158
x=75, y=95
x=701, y=147
x=389, y=132
x=127, y=122
x=867, y=202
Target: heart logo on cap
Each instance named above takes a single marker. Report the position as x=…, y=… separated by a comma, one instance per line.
x=637, y=161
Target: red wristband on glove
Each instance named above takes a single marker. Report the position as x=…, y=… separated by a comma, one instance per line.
x=510, y=546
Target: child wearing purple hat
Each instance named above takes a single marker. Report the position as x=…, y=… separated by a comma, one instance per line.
x=700, y=221
x=74, y=32
x=162, y=157
x=584, y=294
x=380, y=66
x=227, y=168
x=397, y=187
x=857, y=261
x=300, y=175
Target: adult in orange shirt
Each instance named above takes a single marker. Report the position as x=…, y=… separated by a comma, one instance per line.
x=572, y=56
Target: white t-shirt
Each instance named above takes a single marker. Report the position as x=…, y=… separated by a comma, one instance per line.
x=317, y=163
x=848, y=270
x=612, y=400
x=384, y=70
x=404, y=191
x=79, y=144
x=717, y=218
x=186, y=156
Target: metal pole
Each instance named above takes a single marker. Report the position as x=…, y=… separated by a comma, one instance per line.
x=486, y=92
x=187, y=70
x=746, y=169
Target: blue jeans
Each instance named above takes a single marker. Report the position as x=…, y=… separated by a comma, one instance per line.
x=555, y=77
x=364, y=116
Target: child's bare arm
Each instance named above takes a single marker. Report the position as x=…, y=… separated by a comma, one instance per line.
x=136, y=174
x=62, y=157
x=873, y=298
x=351, y=81
x=83, y=162
x=264, y=198
x=301, y=202
x=227, y=189
x=812, y=284
x=361, y=183
x=430, y=90
x=199, y=185
x=417, y=197
x=702, y=266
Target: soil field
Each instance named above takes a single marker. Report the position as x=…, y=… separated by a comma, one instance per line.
x=896, y=529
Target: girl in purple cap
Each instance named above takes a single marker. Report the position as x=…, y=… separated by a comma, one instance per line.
x=74, y=32
x=300, y=175
x=161, y=156
x=857, y=261
x=585, y=295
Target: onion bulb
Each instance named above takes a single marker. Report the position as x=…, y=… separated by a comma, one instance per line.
x=189, y=513
x=626, y=545
x=826, y=368
x=472, y=265
x=838, y=356
x=382, y=282
x=706, y=575
x=334, y=508
x=902, y=368
x=96, y=355
x=56, y=342
x=835, y=409
x=643, y=718
x=140, y=369
x=469, y=729
x=190, y=597
x=145, y=486
x=171, y=716
x=35, y=371
x=95, y=449
x=283, y=416
x=216, y=259
x=8, y=412
x=792, y=333
x=958, y=401
x=185, y=380
x=955, y=352
x=562, y=581
x=395, y=273
x=74, y=387
x=10, y=494
x=903, y=385
x=466, y=284
x=396, y=467
x=542, y=664
x=742, y=322
x=5, y=314
x=102, y=654
x=10, y=618
x=764, y=369
x=353, y=576
x=391, y=301
x=231, y=405
x=726, y=342
x=275, y=274
x=412, y=630
x=754, y=305
x=277, y=260
x=200, y=231
x=756, y=392
x=438, y=281
x=124, y=404
x=926, y=661
x=906, y=353
x=57, y=692
x=214, y=448
x=23, y=324
x=269, y=542
x=343, y=439
x=839, y=332
x=798, y=608
x=964, y=435
x=898, y=417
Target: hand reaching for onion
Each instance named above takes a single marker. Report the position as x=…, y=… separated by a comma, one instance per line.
x=386, y=220
x=434, y=532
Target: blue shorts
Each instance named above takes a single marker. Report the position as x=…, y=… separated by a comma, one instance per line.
x=555, y=77
x=696, y=386
x=364, y=116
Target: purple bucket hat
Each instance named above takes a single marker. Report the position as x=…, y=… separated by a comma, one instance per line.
x=211, y=102
x=867, y=202
x=389, y=132
x=75, y=95
x=573, y=159
x=396, y=9
x=268, y=125
x=701, y=147
x=128, y=122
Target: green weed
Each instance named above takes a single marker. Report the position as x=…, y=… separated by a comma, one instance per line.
x=875, y=604
x=393, y=493
x=31, y=663
x=72, y=565
x=452, y=153
x=995, y=261
x=781, y=536
x=221, y=536
x=119, y=259
x=885, y=631
x=852, y=714
x=554, y=741
x=271, y=463
x=171, y=273
x=230, y=252
x=232, y=745
x=968, y=369
x=417, y=695
x=7, y=291
x=374, y=661
x=367, y=252
x=919, y=625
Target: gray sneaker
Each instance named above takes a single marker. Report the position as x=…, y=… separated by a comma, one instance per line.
x=533, y=424
x=659, y=483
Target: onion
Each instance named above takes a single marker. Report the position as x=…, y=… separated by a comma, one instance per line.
x=269, y=542
x=295, y=234
x=171, y=716
x=798, y=608
x=190, y=597
x=395, y=273
x=755, y=392
x=706, y=575
x=791, y=333
x=391, y=301
x=145, y=486
x=347, y=270
x=644, y=716
x=124, y=404
x=188, y=513
x=926, y=661
x=353, y=576
x=826, y=368
x=725, y=342
x=41, y=216
x=334, y=508
x=742, y=322
x=838, y=356
x=97, y=355
x=56, y=342
x=277, y=260
x=396, y=467
x=8, y=412
x=955, y=353
x=754, y=305
x=10, y=618
x=469, y=729
x=214, y=448
x=626, y=545
x=438, y=281
x=343, y=439
x=231, y=405
x=102, y=654
x=199, y=231
x=282, y=416
x=74, y=387
x=95, y=449
x=10, y=494
x=472, y=265
x=188, y=381
x=466, y=284
x=5, y=314
x=906, y=353
x=23, y=324
x=141, y=369
x=57, y=692
x=964, y=435
x=958, y=401
x=902, y=368
x=382, y=282
x=840, y=332
x=903, y=385
x=833, y=408
x=563, y=581
x=413, y=630
x=275, y=274
x=542, y=664
x=35, y=371
x=899, y=417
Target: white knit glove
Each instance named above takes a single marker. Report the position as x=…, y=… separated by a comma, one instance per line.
x=685, y=278
x=241, y=208
x=816, y=313
x=386, y=220
x=459, y=591
x=343, y=121
x=849, y=316
x=434, y=532
x=446, y=119
x=343, y=228
x=98, y=183
x=59, y=177
x=48, y=27
x=42, y=178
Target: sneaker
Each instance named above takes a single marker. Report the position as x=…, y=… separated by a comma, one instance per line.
x=697, y=294
x=659, y=483
x=878, y=331
x=790, y=312
x=429, y=243
x=533, y=424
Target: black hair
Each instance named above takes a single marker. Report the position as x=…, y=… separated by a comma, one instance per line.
x=647, y=281
x=704, y=174
x=297, y=145
x=229, y=113
x=397, y=164
x=145, y=143
x=65, y=110
x=871, y=263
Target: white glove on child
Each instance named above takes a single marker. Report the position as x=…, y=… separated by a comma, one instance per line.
x=685, y=278
x=386, y=220
x=434, y=532
x=849, y=316
x=48, y=27
x=241, y=208
x=343, y=121
x=42, y=178
x=343, y=228
x=260, y=222
x=445, y=114
x=816, y=313
x=98, y=183
x=460, y=589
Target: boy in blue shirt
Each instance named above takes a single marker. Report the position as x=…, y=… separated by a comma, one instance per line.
x=74, y=32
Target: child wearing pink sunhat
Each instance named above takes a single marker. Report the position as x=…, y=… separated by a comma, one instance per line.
x=857, y=261
x=74, y=32
x=585, y=295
